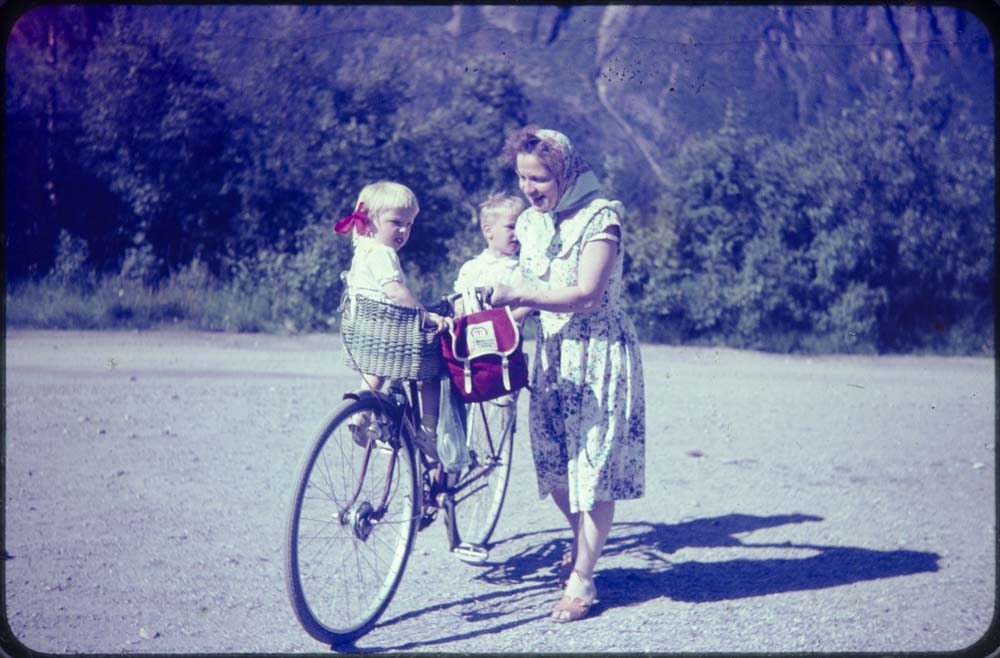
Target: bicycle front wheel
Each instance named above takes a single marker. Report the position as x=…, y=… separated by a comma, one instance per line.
x=353, y=519
x=481, y=487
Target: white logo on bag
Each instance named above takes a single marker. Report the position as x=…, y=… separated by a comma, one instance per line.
x=482, y=338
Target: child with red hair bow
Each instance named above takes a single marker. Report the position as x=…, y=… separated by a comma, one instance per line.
x=380, y=226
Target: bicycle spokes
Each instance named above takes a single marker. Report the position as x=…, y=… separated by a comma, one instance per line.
x=352, y=525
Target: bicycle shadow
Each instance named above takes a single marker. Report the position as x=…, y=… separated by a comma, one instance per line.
x=526, y=578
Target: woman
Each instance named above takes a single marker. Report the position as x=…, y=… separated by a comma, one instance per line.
x=587, y=412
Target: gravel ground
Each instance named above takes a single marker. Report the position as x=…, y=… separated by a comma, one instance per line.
x=833, y=504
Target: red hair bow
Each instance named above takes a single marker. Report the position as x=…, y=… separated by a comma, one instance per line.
x=357, y=220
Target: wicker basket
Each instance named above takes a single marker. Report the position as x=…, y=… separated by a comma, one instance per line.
x=387, y=340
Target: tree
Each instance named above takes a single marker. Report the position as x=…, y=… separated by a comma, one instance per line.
x=889, y=209
x=156, y=131
x=712, y=215
x=46, y=190
x=485, y=105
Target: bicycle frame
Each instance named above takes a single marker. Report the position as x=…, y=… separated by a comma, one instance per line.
x=366, y=488
x=465, y=484
x=397, y=404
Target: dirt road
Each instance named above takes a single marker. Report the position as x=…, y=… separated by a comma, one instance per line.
x=794, y=504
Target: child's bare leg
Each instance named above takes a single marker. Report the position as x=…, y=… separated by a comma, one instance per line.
x=430, y=402
x=372, y=382
x=360, y=421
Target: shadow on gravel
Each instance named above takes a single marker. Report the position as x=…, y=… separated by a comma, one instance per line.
x=529, y=575
x=699, y=582
x=509, y=604
x=696, y=582
x=653, y=544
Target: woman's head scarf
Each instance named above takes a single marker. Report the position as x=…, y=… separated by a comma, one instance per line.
x=540, y=240
x=578, y=184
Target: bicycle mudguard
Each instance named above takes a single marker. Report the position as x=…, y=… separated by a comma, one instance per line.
x=384, y=400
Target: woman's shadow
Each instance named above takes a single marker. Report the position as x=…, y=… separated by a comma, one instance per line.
x=651, y=546
x=653, y=570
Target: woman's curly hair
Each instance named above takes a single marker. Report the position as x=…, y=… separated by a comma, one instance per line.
x=553, y=149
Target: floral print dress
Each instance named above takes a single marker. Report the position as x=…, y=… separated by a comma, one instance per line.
x=587, y=414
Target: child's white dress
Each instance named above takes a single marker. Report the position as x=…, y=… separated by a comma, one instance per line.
x=373, y=265
x=487, y=269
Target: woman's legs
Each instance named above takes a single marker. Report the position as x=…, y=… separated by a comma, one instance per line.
x=561, y=499
x=590, y=532
x=568, y=560
x=593, y=529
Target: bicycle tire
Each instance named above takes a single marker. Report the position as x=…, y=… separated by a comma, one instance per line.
x=344, y=559
x=480, y=489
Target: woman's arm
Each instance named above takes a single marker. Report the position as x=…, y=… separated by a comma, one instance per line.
x=520, y=313
x=597, y=262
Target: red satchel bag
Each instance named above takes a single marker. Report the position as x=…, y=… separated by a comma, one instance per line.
x=484, y=355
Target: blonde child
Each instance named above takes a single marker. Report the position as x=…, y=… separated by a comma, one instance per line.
x=498, y=262
x=380, y=226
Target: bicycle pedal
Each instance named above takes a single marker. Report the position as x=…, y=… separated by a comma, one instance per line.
x=470, y=553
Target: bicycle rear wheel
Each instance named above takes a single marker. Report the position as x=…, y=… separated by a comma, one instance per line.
x=352, y=524
x=480, y=489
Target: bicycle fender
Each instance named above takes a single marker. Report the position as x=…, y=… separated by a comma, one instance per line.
x=383, y=399
x=363, y=395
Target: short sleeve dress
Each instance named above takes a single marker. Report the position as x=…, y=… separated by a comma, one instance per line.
x=373, y=265
x=587, y=413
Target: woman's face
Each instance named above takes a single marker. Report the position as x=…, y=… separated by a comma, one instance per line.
x=392, y=227
x=537, y=183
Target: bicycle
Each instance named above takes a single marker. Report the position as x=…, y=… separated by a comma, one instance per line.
x=366, y=488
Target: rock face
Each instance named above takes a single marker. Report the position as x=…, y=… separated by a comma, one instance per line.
x=656, y=75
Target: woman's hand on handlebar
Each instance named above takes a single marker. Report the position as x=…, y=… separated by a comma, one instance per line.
x=501, y=295
x=438, y=322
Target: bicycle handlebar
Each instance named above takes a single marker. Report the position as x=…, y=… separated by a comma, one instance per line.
x=446, y=307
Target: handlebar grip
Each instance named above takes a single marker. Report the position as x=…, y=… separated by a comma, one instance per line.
x=483, y=293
